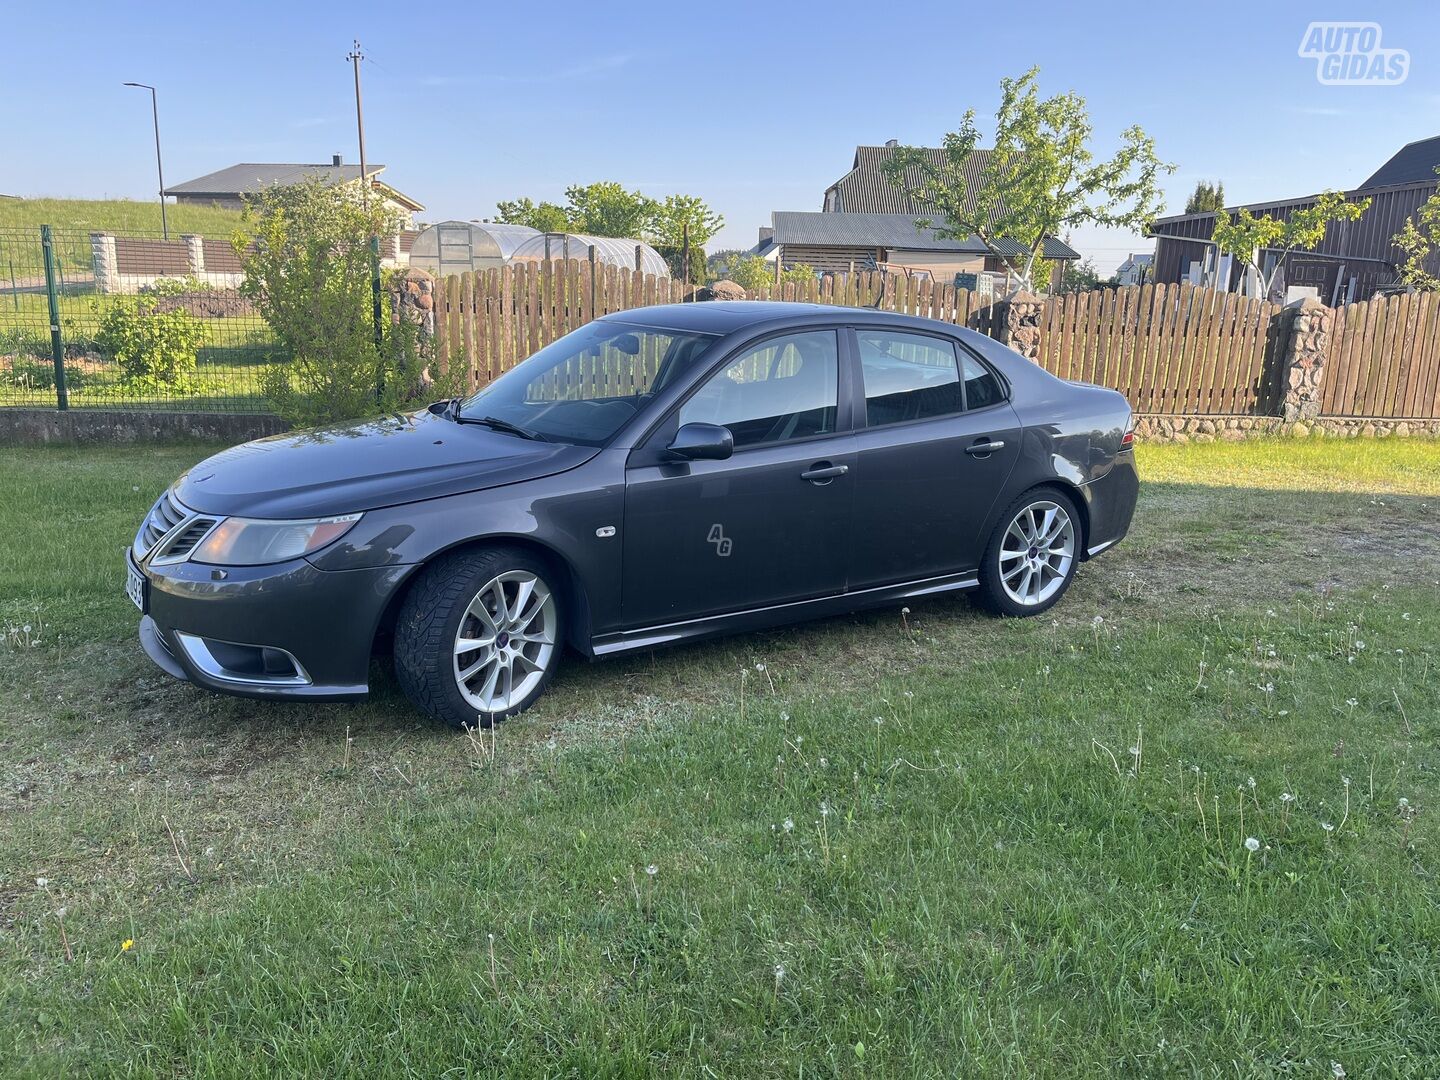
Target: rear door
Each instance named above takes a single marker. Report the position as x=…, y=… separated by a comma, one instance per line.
x=768, y=525
x=933, y=453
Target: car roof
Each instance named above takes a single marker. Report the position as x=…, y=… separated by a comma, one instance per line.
x=728, y=316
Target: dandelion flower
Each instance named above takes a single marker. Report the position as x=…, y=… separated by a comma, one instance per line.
x=1251, y=844
x=652, y=869
x=1327, y=826
x=42, y=882
x=1286, y=797
x=127, y=944
x=788, y=824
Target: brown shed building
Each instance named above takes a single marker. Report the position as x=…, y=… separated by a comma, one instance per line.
x=1356, y=257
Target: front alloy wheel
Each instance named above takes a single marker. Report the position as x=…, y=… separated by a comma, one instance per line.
x=505, y=642
x=479, y=635
x=1031, y=557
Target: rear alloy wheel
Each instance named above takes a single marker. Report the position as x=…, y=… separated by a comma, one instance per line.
x=1031, y=558
x=479, y=636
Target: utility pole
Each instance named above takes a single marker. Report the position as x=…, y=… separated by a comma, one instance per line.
x=159, y=169
x=355, y=57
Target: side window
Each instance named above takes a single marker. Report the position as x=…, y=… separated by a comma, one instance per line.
x=907, y=376
x=982, y=388
x=786, y=388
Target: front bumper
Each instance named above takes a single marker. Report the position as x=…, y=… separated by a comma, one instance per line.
x=324, y=619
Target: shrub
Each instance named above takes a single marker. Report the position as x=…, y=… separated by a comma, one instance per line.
x=674, y=256
x=306, y=254
x=155, y=348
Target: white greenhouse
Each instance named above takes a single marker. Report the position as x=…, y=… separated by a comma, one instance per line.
x=453, y=247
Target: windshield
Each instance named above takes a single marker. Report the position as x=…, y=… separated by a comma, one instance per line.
x=586, y=386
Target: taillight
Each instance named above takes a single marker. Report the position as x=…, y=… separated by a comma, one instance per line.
x=1127, y=441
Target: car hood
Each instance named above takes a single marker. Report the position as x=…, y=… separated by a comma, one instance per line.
x=364, y=466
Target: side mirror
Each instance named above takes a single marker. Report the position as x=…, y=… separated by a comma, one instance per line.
x=702, y=442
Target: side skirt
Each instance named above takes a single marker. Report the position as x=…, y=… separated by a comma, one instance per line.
x=739, y=622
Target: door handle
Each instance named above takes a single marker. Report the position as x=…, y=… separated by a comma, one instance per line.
x=823, y=473
x=985, y=447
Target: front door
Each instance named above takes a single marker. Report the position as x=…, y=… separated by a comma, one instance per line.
x=769, y=524
x=932, y=458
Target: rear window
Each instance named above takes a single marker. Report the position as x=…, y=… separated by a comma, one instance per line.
x=982, y=388
x=907, y=377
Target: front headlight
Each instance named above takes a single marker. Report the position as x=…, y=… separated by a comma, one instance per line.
x=250, y=542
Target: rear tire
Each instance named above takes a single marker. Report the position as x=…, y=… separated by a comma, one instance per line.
x=478, y=636
x=1031, y=557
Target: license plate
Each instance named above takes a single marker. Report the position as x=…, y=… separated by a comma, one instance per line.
x=135, y=587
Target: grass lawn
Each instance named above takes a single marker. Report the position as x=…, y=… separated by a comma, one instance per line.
x=928, y=844
x=84, y=216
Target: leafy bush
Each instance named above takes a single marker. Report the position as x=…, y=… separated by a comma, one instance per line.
x=751, y=272
x=155, y=347
x=674, y=256
x=307, y=259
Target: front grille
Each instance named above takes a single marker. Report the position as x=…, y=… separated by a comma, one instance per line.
x=163, y=519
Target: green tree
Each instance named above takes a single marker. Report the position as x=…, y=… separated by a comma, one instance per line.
x=675, y=213
x=605, y=208
x=1040, y=179
x=1079, y=276
x=1247, y=237
x=679, y=219
x=545, y=216
x=718, y=262
x=1207, y=198
x=305, y=250
x=1418, y=239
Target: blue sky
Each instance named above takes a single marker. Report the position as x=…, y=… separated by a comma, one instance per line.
x=755, y=107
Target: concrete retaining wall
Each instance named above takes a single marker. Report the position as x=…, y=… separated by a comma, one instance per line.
x=38, y=427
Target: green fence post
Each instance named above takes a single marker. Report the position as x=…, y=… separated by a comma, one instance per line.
x=57, y=346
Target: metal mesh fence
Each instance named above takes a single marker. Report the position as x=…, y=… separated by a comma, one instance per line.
x=143, y=322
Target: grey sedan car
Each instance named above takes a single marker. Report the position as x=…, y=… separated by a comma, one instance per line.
x=659, y=475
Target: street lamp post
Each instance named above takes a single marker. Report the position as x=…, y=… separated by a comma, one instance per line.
x=159, y=169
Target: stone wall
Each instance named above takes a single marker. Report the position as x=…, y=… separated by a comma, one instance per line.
x=1182, y=429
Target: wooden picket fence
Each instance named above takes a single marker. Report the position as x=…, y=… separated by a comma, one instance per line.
x=1384, y=358
x=492, y=319
x=1168, y=348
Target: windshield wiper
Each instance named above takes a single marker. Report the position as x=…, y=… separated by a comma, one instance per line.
x=500, y=425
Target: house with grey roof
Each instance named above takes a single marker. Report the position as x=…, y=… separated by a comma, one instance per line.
x=866, y=222
x=228, y=188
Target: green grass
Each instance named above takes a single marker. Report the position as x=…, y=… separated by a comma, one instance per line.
x=115, y=215
x=979, y=877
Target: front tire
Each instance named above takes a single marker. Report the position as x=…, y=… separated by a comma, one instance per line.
x=479, y=637
x=1031, y=557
